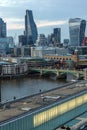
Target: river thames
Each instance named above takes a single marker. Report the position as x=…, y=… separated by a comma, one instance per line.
x=20, y=88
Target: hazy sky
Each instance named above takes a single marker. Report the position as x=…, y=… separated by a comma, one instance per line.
x=48, y=14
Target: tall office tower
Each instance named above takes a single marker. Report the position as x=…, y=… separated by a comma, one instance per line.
x=77, y=31
x=2, y=28
x=57, y=35
x=30, y=28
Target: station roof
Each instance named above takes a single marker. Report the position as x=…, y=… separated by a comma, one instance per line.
x=31, y=103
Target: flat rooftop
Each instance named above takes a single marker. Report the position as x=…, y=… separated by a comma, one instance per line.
x=31, y=103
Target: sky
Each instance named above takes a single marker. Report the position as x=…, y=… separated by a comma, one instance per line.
x=47, y=14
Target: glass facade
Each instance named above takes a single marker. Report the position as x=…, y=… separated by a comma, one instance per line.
x=30, y=28
x=2, y=28
x=57, y=35
x=77, y=31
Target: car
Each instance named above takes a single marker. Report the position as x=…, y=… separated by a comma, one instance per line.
x=81, y=127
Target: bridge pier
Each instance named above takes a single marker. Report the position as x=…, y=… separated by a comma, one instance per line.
x=41, y=72
x=78, y=75
x=70, y=77
x=57, y=73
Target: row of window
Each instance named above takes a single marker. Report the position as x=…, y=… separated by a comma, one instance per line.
x=59, y=58
x=58, y=110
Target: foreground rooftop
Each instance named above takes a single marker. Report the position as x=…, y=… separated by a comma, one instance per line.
x=31, y=103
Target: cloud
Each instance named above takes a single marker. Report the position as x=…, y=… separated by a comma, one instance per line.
x=14, y=20
x=50, y=23
x=15, y=27
x=7, y=3
x=15, y=24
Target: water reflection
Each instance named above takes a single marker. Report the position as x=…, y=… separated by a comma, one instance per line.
x=25, y=87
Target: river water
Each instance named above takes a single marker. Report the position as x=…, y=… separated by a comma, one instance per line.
x=25, y=87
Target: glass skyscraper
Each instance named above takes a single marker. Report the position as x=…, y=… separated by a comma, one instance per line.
x=2, y=28
x=30, y=28
x=57, y=35
x=77, y=31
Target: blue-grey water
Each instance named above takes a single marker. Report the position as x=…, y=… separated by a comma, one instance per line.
x=26, y=87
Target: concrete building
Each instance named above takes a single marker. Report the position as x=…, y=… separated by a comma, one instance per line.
x=42, y=51
x=21, y=51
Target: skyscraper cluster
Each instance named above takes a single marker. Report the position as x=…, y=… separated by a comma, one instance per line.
x=77, y=28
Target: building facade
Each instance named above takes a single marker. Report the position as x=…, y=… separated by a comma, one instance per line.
x=56, y=37
x=77, y=31
x=65, y=42
x=22, y=40
x=30, y=28
x=2, y=28
x=42, y=51
x=41, y=40
x=5, y=44
x=20, y=51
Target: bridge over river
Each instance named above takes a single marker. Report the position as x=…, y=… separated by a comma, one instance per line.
x=59, y=73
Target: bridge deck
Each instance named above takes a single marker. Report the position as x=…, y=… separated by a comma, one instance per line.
x=42, y=99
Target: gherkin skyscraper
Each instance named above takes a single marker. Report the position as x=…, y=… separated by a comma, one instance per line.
x=30, y=28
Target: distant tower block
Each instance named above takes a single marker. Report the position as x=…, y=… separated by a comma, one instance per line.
x=2, y=28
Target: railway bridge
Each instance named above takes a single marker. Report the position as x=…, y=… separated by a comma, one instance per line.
x=59, y=73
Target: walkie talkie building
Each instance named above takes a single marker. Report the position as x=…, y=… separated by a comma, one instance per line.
x=77, y=31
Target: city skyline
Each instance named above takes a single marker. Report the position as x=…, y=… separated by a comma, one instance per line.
x=47, y=15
